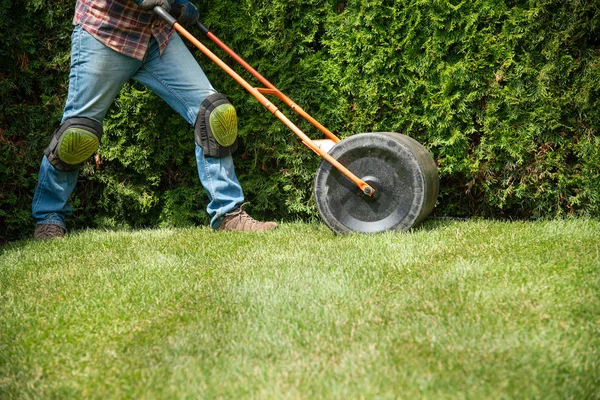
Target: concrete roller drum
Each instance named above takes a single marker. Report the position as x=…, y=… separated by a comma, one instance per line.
x=401, y=171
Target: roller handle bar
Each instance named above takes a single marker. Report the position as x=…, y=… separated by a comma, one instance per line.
x=368, y=190
x=169, y=19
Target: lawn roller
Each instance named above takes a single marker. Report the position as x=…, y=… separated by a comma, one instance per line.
x=368, y=182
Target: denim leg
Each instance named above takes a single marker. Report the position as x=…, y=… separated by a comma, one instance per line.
x=178, y=79
x=50, y=201
x=96, y=76
x=221, y=184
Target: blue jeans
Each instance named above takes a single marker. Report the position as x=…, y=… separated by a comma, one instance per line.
x=97, y=75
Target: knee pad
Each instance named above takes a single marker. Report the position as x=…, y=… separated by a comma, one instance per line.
x=73, y=142
x=216, y=126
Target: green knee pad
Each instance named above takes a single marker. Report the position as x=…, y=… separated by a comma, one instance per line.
x=223, y=124
x=216, y=126
x=73, y=143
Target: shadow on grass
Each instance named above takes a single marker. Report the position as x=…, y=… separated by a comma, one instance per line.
x=429, y=225
x=435, y=223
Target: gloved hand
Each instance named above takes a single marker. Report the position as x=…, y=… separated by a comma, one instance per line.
x=150, y=4
x=185, y=12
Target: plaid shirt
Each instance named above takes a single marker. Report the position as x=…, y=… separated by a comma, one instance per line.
x=122, y=25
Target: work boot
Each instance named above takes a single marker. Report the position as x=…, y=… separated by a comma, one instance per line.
x=240, y=221
x=49, y=231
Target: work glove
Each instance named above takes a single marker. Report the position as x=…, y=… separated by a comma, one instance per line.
x=150, y=4
x=185, y=12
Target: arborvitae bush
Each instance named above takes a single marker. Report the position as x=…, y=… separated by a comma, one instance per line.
x=505, y=94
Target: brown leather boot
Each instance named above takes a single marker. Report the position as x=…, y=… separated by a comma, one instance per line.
x=240, y=221
x=49, y=231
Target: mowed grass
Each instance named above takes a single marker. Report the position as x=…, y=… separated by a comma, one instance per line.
x=453, y=309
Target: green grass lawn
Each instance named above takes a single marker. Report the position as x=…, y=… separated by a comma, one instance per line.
x=453, y=309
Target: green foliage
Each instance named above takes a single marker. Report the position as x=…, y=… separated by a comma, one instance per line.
x=34, y=64
x=504, y=93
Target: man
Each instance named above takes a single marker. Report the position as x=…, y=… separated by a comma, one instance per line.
x=113, y=41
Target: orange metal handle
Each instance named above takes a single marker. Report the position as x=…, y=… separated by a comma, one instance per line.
x=364, y=187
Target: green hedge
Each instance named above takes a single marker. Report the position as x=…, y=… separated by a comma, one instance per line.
x=505, y=94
